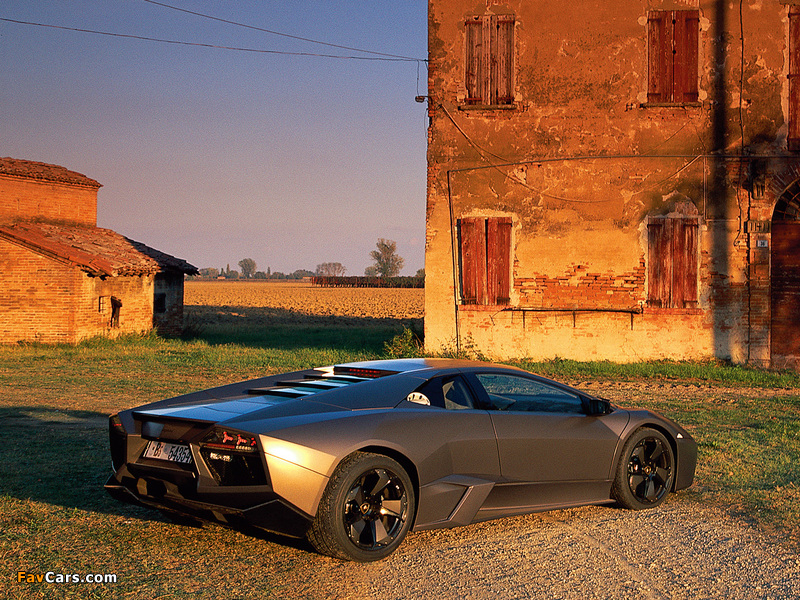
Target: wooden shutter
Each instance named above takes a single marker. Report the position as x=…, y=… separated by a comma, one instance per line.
x=498, y=244
x=686, y=25
x=659, y=271
x=684, y=262
x=793, y=137
x=473, y=70
x=473, y=260
x=659, y=56
x=504, y=82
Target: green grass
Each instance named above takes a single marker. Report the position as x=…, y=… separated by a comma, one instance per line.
x=710, y=372
x=54, y=515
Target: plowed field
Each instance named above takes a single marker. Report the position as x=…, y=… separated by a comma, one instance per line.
x=298, y=302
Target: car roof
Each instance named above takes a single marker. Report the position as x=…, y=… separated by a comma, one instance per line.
x=407, y=365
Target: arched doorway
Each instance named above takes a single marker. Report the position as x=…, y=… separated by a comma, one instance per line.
x=785, y=279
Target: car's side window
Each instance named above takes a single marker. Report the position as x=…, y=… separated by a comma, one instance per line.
x=509, y=392
x=451, y=393
x=456, y=394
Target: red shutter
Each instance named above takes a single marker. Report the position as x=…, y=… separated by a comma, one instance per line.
x=474, y=44
x=686, y=28
x=488, y=65
x=660, y=263
x=672, y=269
x=793, y=137
x=684, y=263
x=498, y=242
x=504, y=86
x=659, y=56
x=473, y=260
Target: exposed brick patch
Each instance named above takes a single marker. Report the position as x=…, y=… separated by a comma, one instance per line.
x=580, y=288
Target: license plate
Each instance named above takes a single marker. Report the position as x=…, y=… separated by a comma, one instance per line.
x=166, y=451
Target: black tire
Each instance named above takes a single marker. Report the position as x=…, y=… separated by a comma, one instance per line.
x=366, y=510
x=645, y=472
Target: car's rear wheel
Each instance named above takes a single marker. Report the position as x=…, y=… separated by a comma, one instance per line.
x=645, y=471
x=366, y=509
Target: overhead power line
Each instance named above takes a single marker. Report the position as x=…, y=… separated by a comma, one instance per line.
x=294, y=37
x=387, y=58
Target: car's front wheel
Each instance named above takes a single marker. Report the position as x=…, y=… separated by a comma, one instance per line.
x=645, y=471
x=366, y=509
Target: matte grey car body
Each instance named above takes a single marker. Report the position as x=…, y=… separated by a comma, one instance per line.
x=356, y=455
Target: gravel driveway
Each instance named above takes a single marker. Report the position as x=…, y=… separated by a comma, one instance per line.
x=679, y=551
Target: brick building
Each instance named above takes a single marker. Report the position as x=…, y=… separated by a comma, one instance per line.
x=63, y=278
x=614, y=179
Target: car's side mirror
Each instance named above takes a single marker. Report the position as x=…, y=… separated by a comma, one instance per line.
x=599, y=406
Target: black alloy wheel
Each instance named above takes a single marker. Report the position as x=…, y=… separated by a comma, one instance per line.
x=645, y=472
x=366, y=510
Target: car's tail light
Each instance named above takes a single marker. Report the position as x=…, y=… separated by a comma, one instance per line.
x=224, y=439
x=233, y=457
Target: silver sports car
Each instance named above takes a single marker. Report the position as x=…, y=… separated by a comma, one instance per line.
x=354, y=456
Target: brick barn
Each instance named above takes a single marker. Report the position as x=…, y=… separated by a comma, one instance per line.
x=614, y=179
x=63, y=279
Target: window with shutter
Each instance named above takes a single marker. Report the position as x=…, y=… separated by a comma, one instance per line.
x=672, y=37
x=672, y=254
x=485, y=260
x=489, y=61
x=793, y=137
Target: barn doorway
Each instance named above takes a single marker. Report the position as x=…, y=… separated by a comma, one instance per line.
x=785, y=280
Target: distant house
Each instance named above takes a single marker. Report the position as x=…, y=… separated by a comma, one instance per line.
x=63, y=279
x=614, y=180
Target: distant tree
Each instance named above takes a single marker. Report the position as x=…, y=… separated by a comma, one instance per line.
x=371, y=271
x=248, y=267
x=421, y=273
x=387, y=262
x=300, y=274
x=331, y=269
x=231, y=274
x=259, y=275
x=209, y=273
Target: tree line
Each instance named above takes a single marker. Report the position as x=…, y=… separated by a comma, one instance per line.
x=387, y=265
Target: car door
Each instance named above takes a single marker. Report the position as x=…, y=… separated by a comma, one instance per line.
x=455, y=479
x=551, y=451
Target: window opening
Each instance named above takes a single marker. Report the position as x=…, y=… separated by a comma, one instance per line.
x=116, y=305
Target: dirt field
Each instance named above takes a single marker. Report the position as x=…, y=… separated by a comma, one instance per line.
x=304, y=300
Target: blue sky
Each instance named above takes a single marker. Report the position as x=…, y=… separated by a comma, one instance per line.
x=216, y=155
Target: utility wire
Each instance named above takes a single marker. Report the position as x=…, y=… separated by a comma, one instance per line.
x=215, y=46
x=294, y=37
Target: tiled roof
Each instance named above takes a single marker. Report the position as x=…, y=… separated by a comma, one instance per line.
x=42, y=171
x=95, y=250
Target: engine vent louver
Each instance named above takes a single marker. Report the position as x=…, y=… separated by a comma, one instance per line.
x=313, y=383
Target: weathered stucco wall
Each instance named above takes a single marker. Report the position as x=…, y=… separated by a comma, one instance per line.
x=582, y=163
